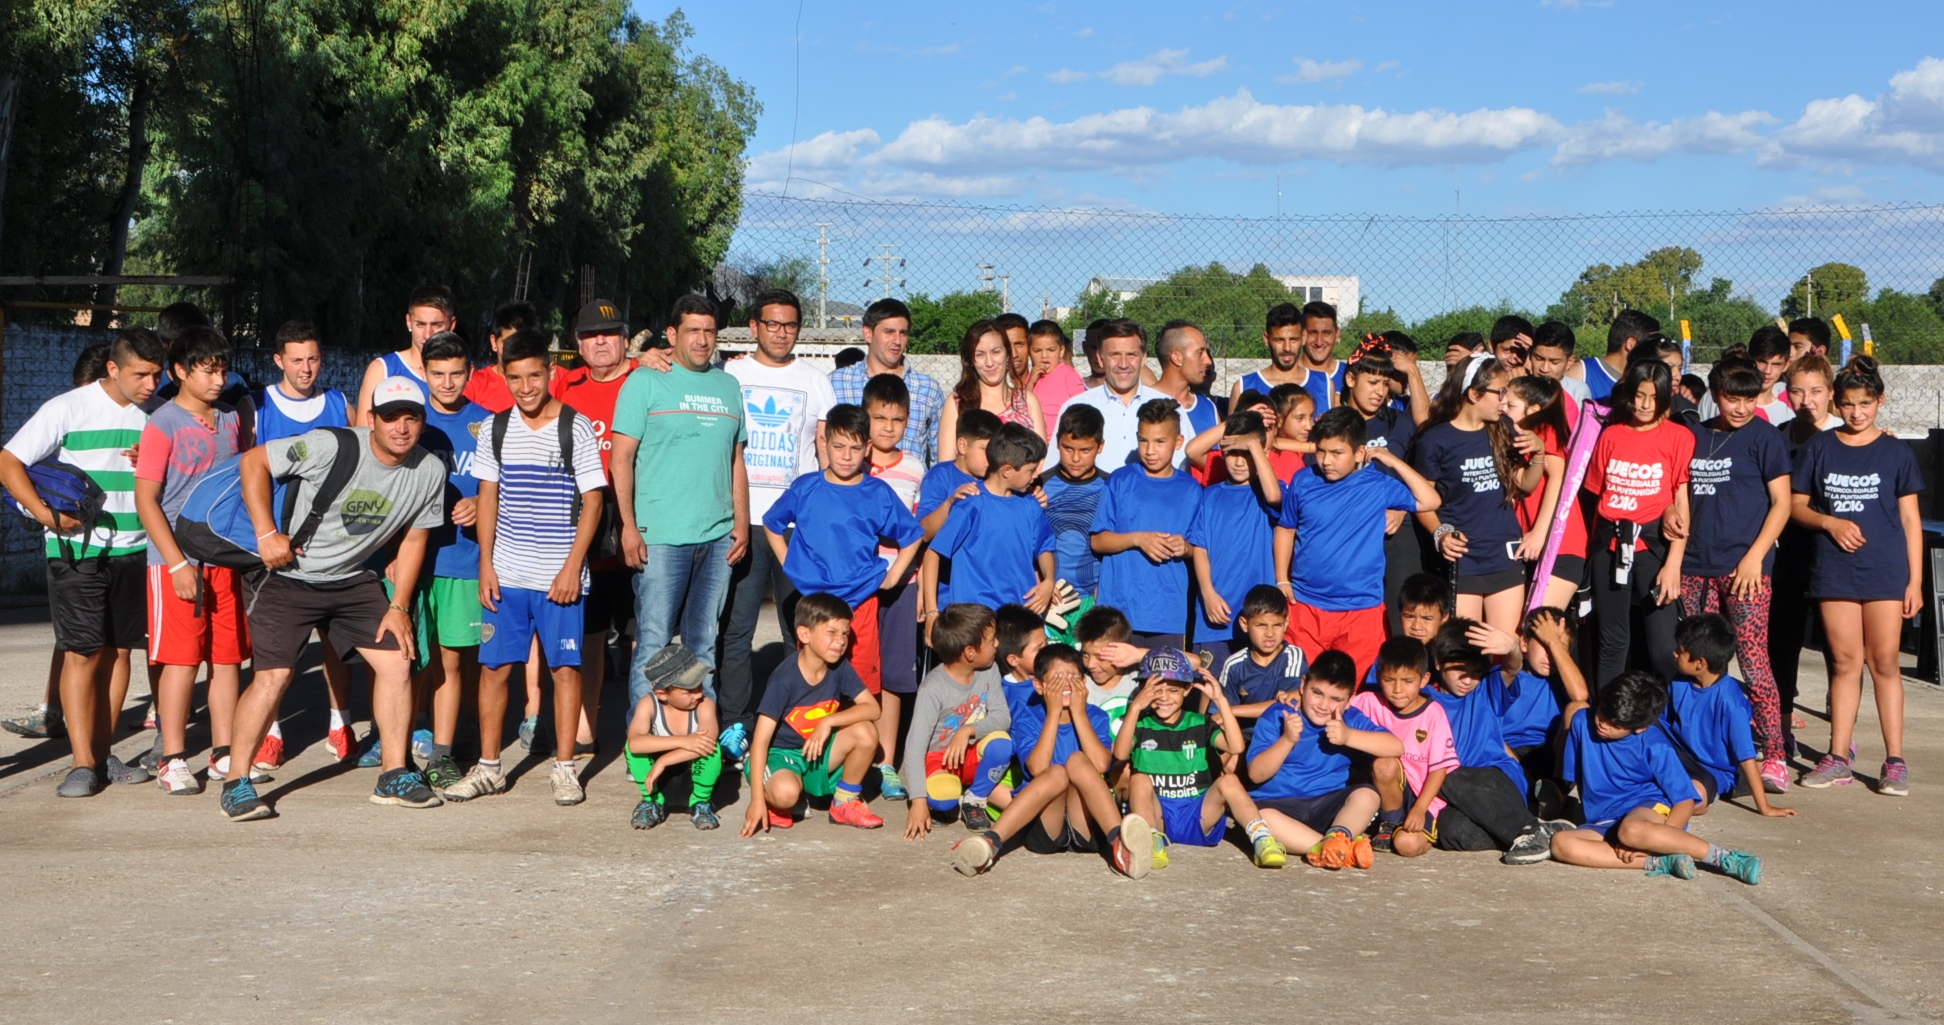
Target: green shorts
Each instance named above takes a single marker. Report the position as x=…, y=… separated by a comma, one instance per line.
x=819, y=780
x=421, y=620
x=452, y=605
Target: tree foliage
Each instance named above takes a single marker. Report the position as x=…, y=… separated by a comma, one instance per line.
x=1838, y=288
x=1602, y=290
x=938, y=324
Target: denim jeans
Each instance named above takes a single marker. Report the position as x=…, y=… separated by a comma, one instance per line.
x=754, y=578
x=680, y=589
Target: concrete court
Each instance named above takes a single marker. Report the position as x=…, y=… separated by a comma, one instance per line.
x=135, y=907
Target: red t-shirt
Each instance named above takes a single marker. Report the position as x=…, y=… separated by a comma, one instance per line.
x=1215, y=471
x=593, y=400
x=1634, y=472
x=487, y=389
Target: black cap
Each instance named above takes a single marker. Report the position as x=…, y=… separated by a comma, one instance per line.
x=599, y=317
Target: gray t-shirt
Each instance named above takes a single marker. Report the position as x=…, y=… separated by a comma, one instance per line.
x=942, y=706
x=377, y=504
x=178, y=451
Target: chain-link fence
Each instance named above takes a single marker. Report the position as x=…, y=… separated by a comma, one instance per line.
x=1725, y=273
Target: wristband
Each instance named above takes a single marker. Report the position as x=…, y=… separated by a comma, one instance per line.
x=178, y=565
x=395, y=607
x=266, y=533
x=1438, y=535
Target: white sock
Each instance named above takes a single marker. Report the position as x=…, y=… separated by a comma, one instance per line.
x=493, y=764
x=337, y=719
x=43, y=707
x=276, y=729
x=571, y=765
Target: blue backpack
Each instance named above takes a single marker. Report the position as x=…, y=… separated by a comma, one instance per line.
x=65, y=488
x=214, y=525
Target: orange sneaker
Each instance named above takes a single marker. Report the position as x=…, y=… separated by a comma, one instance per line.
x=854, y=813
x=781, y=819
x=1361, y=855
x=1331, y=852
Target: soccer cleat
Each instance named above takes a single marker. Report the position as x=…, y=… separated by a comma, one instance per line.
x=529, y=726
x=404, y=788
x=648, y=815
x=1894, y=782
x=1360, y=856
x=1160, y=842
x=1270, y=853
x=373, y=756
x=119, y=771
x=781, y=819
x=1830, y=772
x=1529, y=848
x=1743, y=866
x=1775, y=776
x=703, y=816
x=976, y=816
x=735, y=741
x=890, y=784
x=853, y=813
x=975, y=855
x=177, y=778
x=342, y=742
x=1331, y=852
x=480, y=782
x=443, y=774
x=1133, y=850
x=39, y=724
x=270, y=753
x=81, y=781
x=240, y=803
x=1680, y=866
x=1381, y=840
x=567, y=790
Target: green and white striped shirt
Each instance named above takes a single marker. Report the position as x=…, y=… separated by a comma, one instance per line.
x=90, y=430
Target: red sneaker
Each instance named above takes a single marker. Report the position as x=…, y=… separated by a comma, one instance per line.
x=270, y=753
x=854, y=813
x=1331, y=852
x=1361, y=855
x=780, y=819
x=343, y=744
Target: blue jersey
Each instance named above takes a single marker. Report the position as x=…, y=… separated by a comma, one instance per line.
x=1247, y=683
x=395, y=366
x=1237, y=529
x=1313, y=767
x=280, y=416
x=1325, y=388
x=939, y=484
x=1715, y=724
x=1030, y=721
x=1639, y=770
x=838, y=527
x=1526, y=705
x=1154, y=596
x=453, y=438
x=1339, y=563
x=1070, y=508
x=994, y=543
x=1478, y=732
x=1018, y=693
x=1599, y=380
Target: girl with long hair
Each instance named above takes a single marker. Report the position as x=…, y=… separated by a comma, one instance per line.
x=1466, y=450
x=1536, y=407
x=985, y=382
x=1811, y=384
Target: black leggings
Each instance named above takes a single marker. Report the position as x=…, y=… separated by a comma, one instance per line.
x=1791, y=614
x=1613, y=606
x=1484, y=810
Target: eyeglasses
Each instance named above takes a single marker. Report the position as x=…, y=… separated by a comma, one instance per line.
x=781, y=325
x=1500, y=392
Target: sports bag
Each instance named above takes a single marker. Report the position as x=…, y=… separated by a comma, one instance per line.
x=214, y=525
x=65, y=488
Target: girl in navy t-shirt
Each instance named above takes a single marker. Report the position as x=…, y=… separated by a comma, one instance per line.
x=1466, y=450
x=1811, y=381
x=1857, y=486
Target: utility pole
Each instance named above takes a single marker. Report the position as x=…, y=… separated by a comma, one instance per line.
x=823, y=271
x=1005, y=300
x=1809, y=293
x=985, y=277
x=886, y=277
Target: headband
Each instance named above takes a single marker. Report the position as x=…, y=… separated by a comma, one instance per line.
x=1472, y=363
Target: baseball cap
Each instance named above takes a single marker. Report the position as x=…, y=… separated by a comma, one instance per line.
x=599, y=317
x=398, y=394
x=677, y=667
x=1171, y=664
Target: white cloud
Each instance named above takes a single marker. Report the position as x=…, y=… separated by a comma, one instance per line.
x=823, y=154
x=1618, y=137
x=1611, y=88
x=1902, y=126
x=1147, y=70
x=1065, y=75
x=1084, y=33
x=1308, y=70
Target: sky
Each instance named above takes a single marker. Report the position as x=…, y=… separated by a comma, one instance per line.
x=1413, y=109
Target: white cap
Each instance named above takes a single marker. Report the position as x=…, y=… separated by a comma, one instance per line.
x=398, y=393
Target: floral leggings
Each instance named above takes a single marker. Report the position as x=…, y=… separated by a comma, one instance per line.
x=1750, y=617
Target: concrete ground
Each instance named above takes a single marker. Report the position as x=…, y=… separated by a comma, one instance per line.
x=136, y=907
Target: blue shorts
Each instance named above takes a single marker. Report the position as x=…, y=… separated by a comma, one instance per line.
x=1181, y=819
x=506, y=635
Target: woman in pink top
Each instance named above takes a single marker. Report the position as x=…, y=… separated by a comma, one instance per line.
x=985, y=382
x=1053, y=378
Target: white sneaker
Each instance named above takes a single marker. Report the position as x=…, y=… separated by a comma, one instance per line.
x=177, y=778
x=566, y=785
x=479, y=782
x=219, y=771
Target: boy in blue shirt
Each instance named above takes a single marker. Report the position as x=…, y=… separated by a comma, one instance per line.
x=1022, y=635
x=1300, y=761
x=948, y=483
x=998, y=539
x=1269, y=669
x=1637, y=794
x=1712, y=724
x=449, y=612
x=1138, y=531
x=1232, y=536
x=1072, y=490
x=1340, y=510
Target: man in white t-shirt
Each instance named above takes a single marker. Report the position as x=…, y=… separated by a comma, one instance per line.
x=785, y=401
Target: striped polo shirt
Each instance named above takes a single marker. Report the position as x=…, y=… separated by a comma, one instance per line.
x=534, y=531
x=91, y=431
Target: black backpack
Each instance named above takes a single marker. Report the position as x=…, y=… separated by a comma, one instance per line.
x=607, y=534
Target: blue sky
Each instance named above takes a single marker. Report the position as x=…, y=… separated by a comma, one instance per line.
x=1560, y=106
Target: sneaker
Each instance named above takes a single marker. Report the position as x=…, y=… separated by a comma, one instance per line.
x=177, y=778
x=1160, y=842
x=567, y=789
x=480, y=782
x=119, y=771
x=422, y=746
x=404, y=788
x=703, y=816
x=373, y=756
x=81, y=781
x=270, y=753
x=342, y=742
x=976, y=816
x=1680, y=866
x=975, y=855
x=1133, y=850
x=1775, y=776
x=890, y=784
x=1830, y=772
x=219, y=769
x=1380, y=840
x=148, y=719
x=735, y=741
x=1270, y=853
x=781, y=819
x=240, y=803
x=1361, y=856
x=1530, y=848
x=853, y=813
x=39, y=724
x=1894, y=782
x=648, y=815
x=1743, y=866
x=443, y=774
x=528, y=727
x=151, y=759
x=1331, y=852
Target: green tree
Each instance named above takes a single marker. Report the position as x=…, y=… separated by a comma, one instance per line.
x=1602, y=290
x=1906, y=328
x=1369, y=322
x=1716, y=316
x=1839, y=288
x=1228, y=307
x=1089, y=307
x=1935, y=297
x=1432, y=333
x=937, y=325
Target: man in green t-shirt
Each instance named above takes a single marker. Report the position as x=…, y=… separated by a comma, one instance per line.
x=682, y=490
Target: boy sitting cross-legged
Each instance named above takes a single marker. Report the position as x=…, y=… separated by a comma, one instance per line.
x=1300, y=759
x=1065, y=804
x=1713, y=726
x=1174, y=782
x=958, y=744
x=676, y=723
x=1408, y=787
x=816, y=729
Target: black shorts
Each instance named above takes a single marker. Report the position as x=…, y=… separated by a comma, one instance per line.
x=99, y=602
x=1706, y=780
x=1152, y=641
x=283, y=612
x=1315, y=812
x=610, y=601
x=1492, y=583
x=1570, y=568
x=1036, y=839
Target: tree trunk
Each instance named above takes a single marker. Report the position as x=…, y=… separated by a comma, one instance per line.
x=131, y=192
x=9, y=102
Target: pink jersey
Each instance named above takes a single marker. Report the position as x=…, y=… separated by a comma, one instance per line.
x=904, y=476
x=1426, y=735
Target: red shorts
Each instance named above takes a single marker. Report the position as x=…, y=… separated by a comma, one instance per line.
x=1358, y=633
x=178, y=636
x=864, y=652
x=967, y=771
